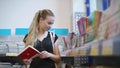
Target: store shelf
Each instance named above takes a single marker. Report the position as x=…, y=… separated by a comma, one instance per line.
x=76, y=61
x=107, y=53
x=11, y=59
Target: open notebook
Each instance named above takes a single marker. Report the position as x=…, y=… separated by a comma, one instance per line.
x=28, y=53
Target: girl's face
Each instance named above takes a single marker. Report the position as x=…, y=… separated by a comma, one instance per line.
x=46, y=24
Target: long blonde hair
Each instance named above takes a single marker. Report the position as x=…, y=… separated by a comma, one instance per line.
x=34, y=27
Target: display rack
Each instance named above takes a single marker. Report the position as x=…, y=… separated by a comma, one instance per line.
x=13, y=60
x=112, y=59
x=77, y=61
x=104, y=48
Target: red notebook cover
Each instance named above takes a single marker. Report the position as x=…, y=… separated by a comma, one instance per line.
x=28, y=53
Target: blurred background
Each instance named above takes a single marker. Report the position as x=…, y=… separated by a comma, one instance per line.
x=86, y=29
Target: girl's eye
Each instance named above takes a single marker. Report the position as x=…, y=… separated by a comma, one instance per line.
x=50, y=23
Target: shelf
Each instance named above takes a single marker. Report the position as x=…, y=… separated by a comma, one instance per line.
x=112, y=61
x=99, y=53
x=11, y=59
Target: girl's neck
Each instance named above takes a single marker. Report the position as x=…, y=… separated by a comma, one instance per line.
x=42, y=35
x=42, y=32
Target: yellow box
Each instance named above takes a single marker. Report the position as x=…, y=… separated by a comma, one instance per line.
x=94, y=51
x=84, y=50
x=107, y=47
x=74, y=52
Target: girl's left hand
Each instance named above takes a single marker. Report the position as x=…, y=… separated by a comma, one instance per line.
x=45, y=54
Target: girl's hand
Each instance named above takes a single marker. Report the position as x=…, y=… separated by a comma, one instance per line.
x=45, y=54
x=26, y=61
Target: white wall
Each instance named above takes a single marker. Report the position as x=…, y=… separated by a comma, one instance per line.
x=78, y=5
x=19, y=13
x=99, y=5
x=64, y=11
x=96, y=5
x=93, y=5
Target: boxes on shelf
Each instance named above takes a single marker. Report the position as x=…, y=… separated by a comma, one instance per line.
x=84, y=50
x=88, y=26
x=102, y=31
x=114, y=26
x=100, y=26
x=95, y=49
x=89, y=34
x=109, y=26
x=74, y=52
x=111, y=46
x=80, y=51
x=93, y=25
x=67, y=52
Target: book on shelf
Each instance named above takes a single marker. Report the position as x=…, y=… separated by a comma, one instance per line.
x=81, y=25
x=65, y=42
x=28, y=53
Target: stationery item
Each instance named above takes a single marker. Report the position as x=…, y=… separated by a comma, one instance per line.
x=81, y=25
x=28, y=53
x=65, y=42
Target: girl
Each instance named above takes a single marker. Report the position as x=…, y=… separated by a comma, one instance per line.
x=40, y=38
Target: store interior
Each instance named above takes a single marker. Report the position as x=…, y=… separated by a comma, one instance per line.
x=88, y=31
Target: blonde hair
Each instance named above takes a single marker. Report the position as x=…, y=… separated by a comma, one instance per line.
x=34, y=27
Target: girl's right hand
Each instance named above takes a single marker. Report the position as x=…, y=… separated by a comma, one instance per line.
x=26, y=61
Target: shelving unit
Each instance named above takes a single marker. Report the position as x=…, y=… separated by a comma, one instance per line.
x=78, y=61
x=110, y=57
x=11, y=61
x=104, y=50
